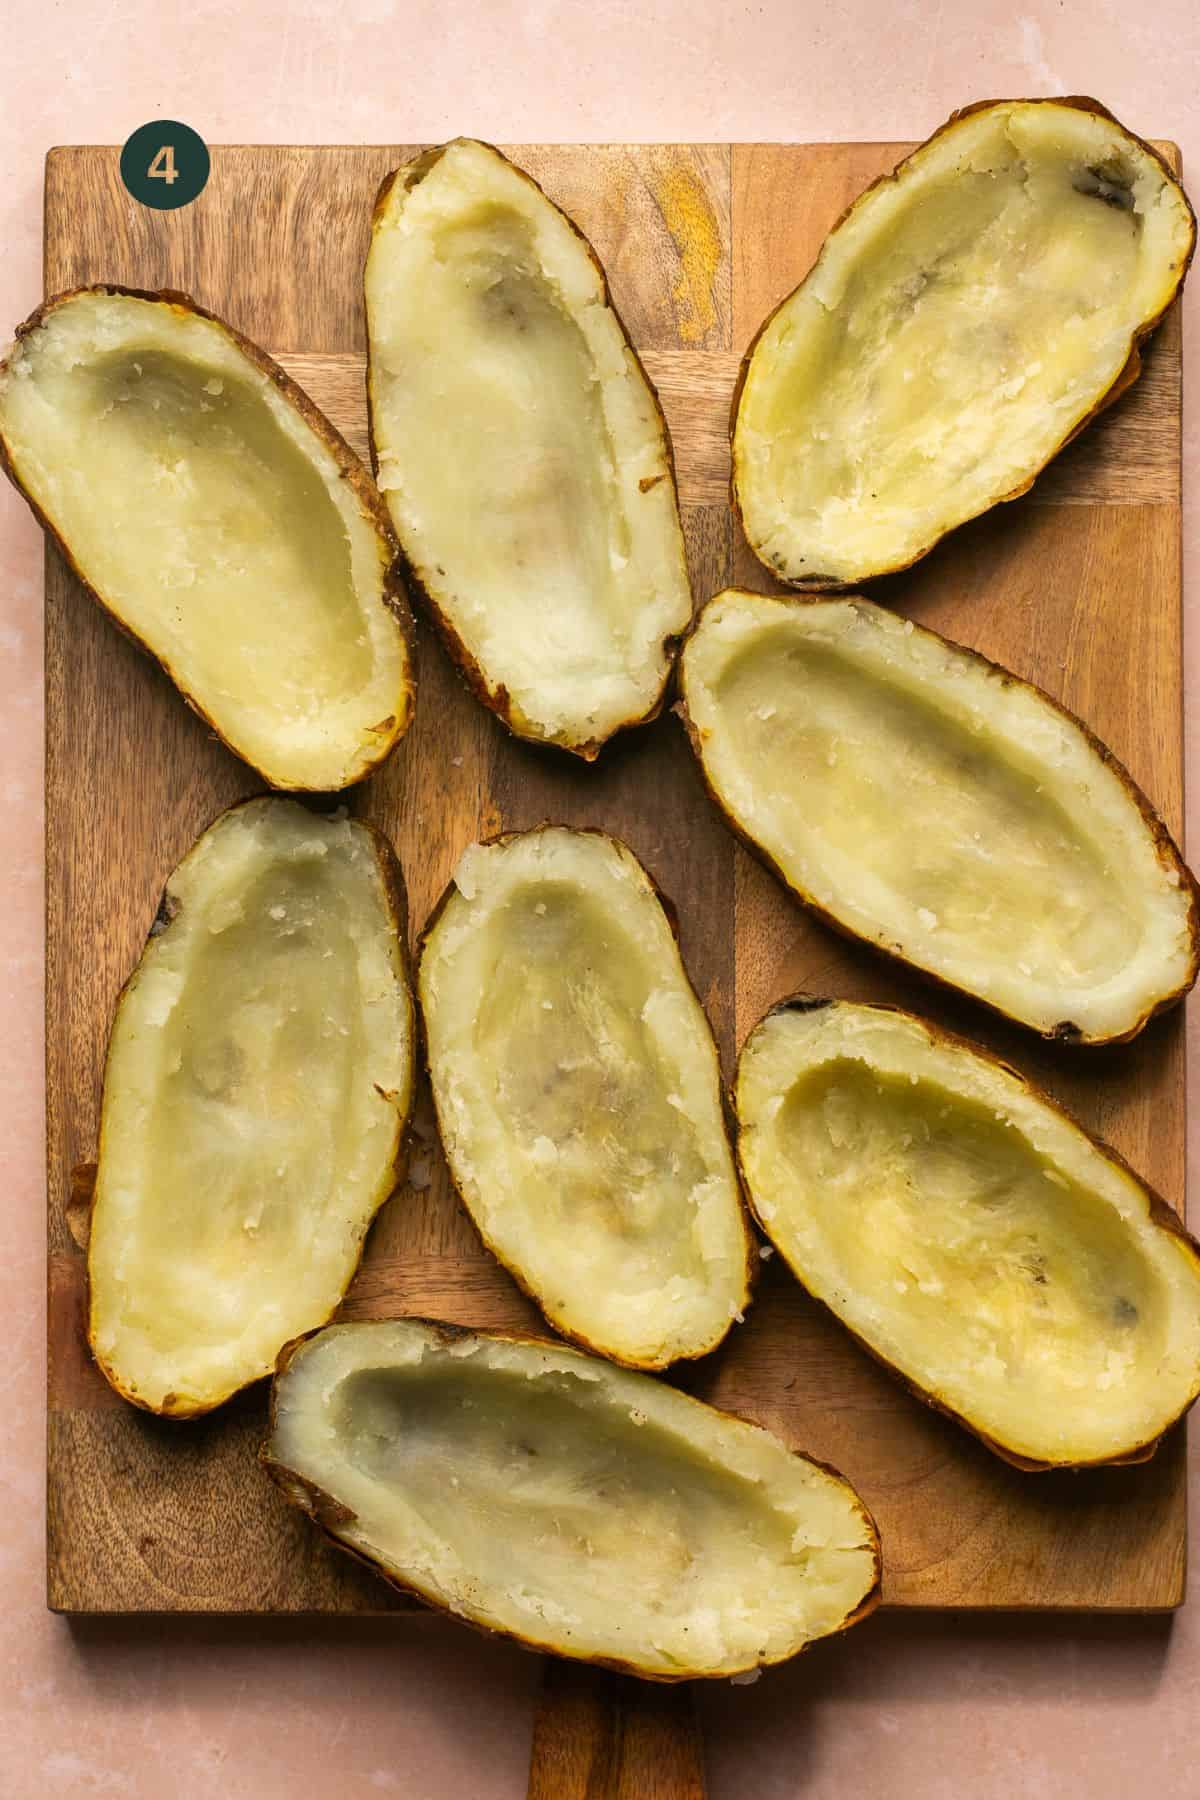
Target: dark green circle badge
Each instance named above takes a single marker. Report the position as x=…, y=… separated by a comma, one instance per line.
x=165, y=164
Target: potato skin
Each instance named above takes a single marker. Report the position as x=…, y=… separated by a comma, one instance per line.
x=564, y=1331
x=84, y=1177
x=1162, y=1215
x=1169, y=854
x=395, y=595
x=327, y=1514
x=1124, y=379
x=497, y=699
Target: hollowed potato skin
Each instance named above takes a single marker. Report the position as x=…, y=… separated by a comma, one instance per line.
x=1065, y=1030
x=330, y=1516
x=1163, y=1217
x=389, y=730
x=1123, y=380
x=84, y=1180
x=560, y=1315
x=424, y=580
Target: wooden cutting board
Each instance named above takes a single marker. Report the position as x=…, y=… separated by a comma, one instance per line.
x=1076, y=586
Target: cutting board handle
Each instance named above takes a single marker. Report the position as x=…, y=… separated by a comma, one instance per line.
x=600, y=1736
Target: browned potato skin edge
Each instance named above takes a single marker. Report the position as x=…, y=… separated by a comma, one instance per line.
x=349, y=467
x=564, y=1330
x=329, y=1514
x=168, y=907
x=420, y=584
x=1161, y=1215
x=1169, y=854
x=1125, y=378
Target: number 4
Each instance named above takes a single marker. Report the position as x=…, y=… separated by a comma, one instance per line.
x=163, y=167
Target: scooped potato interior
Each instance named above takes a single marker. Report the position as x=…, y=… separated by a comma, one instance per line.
x=521, y=449
x=939, y=809
x=550, y=1495
x=578, y=1095
x=961, y=322
x=971, y=1234
x=259, y=1069
x=212, y=520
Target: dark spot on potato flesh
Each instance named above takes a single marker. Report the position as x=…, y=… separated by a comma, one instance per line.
x=1108, y=182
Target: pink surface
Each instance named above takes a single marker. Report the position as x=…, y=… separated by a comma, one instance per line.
x=929, y=1709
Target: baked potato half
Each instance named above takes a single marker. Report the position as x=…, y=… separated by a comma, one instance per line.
x=578, y=1095
x=522, y=450
x=256, y=1093
x=965, y=319
x=579, y=1508
x=929, y=802
x=1013, y=1271
x=220, y=519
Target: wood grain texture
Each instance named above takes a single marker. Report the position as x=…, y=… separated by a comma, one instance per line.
x=1082, y=595
x=599, y=1736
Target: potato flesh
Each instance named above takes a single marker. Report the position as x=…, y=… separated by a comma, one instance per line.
x=214, y=523
x=959, y=325
x=578, y=1097
x=513, y=431
x=938, y=810
x=245, y=1144
x=969, y=1233
x=541, y=1492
